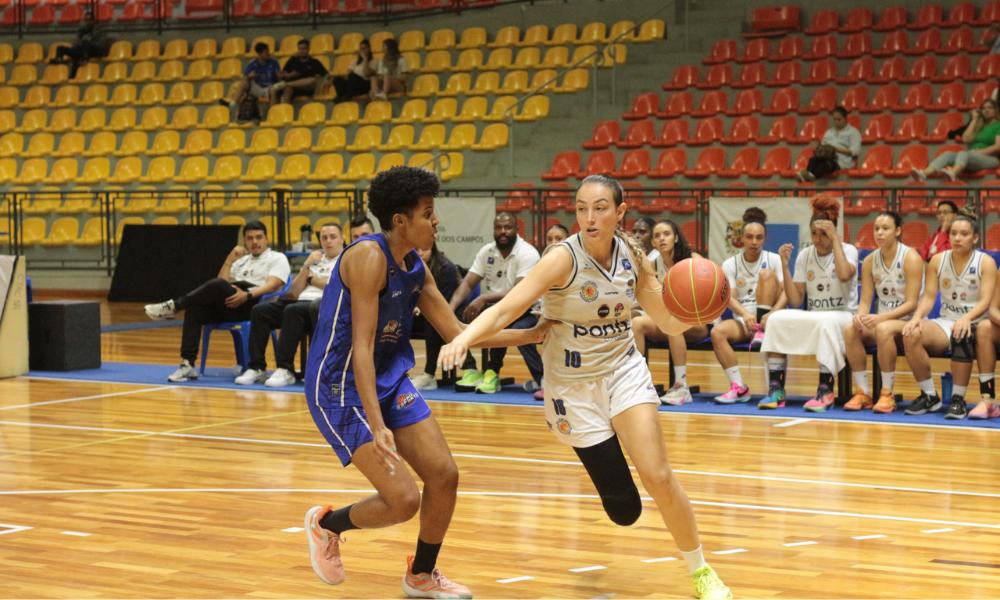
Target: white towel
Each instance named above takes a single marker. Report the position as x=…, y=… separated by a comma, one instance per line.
x=820, y=333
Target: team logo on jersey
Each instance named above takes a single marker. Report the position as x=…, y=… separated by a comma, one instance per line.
x=885, y=291
x=397, y=293
x=946, y=283
x=810, y=276
x=626, y=264
x=391, y=330
x=972, y=271
x=630, y=292
x=499, y=274
x=563, y=426
x=405, y=400
x=618, y=309
x=489, y=260
x=973, y=287
x=878, y=279
x=741, y=282
x=820, y=288
x=603, y=311
x=589, y=291
x=954, y=295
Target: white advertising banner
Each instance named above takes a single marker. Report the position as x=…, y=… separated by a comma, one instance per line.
x=13, y=318
x=6, y=278
x=784, y=215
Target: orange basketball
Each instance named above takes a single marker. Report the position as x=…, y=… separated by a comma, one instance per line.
x=696, y=291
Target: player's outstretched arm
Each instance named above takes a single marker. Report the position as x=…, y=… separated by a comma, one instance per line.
x=649, y=294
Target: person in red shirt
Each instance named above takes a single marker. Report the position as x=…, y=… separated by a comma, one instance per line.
x=939, y=242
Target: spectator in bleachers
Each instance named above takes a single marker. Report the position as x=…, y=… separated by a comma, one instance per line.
x=555, y=234
x=91, y=42
x=359, y=75
x=839, y=149
x=358, y=227
x=250, y=271
x=982, y=137
x=642, y=230
x=939, y=242
x=291, y=314
x=259, y=77
x=992, y=39
x=392, y=73
x=301, y=75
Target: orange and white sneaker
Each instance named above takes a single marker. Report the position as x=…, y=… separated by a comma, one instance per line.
x=886, y=402
x=431, y=585
x=860, y=401
x=324, y=547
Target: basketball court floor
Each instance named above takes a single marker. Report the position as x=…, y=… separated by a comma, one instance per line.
x=168, y=491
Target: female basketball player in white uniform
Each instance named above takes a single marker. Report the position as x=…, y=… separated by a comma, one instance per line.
x=670, y=247
x=965, y=276
x=894, y=273
x=755, y=279
x=987, y=338
x=826, y=276
x=597, y=386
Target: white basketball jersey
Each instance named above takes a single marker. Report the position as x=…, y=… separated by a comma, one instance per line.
x=661, y=269
x=824, y=290
x=890, y=280
x=743, y=276
x=592, y=335
x=960, y=292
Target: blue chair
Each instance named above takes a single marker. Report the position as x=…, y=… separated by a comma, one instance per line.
x=240, y=330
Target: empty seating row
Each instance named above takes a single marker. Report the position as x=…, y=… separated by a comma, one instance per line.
x=895, y=17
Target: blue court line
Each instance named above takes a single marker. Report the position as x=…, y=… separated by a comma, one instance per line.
x=146, y=325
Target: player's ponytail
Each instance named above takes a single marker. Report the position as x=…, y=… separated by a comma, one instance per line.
x=618, y=194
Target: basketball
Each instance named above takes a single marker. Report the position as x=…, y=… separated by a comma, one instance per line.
x=696, y=291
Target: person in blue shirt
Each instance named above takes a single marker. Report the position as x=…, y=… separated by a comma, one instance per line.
x=358, y=391
x=259, y=77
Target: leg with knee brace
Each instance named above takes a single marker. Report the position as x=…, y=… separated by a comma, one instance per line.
x=964, y=350
x=609, y=471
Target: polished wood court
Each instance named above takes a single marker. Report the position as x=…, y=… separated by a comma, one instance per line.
x=187, y=492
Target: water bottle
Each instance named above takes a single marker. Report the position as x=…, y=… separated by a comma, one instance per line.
x=946, y=384
x=306, y=231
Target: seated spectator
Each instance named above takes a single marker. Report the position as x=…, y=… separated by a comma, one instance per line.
x=291, y=314
x=982, y=136
x=259, y=77
x=300, y=76
x=839, y=149
x=555, y=234
x=359, y=75
x=91, y=42
x=991, y=37
x=939, y=242
x=358, y=227
x=250, y=271
x=392, y=73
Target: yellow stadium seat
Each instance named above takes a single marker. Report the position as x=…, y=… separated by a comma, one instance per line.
x=230, y=68
x=93, y=95
x=573, y=81
x=164, y=144
x=175, y=49
x=261, y=168
x=298, y=139
x=377, y=39
x=437, y=61
x=153, y=119
x=587, y=54
x=499, y=59
x=350, y=42
x=494, y=136
x=43, y=203
x=592, y=33
x=546, y=78
x=473, y=37
x=458, y=84
x=95, y=171
x=79, y=202
x=411, y=41
x=126, y=221
x=233, y=220
x=425, y=86
x=23, y=75
x=93, y=233
x=123, y=119
x=527, y=58
x=555, y=58
x=366, y=139
x=6, y=54
x=161, y=169
x=461, y=137
x=114, y=73
x=8, y=169
x=342, y=65
x=562, y=34
x=279, y=115
x=200, y=70
x=33, y=171
x=101, y=144
x=454, y=166
x=321, y=43
x=294, y=168
x=388, y=161
x=329, y=166
x=36, y=97
x=203, y=48
x=7, y=121
x=235, y=47
x=472, y=109
x=133, y=144
x=29, y=52
x=178, y=199
x=498, y=112
x=140, y=202
x=469, y=60
x=226, y=169
x=534, y=108
x=486, y=83
x=196, y=143
x=230, y=141
x=65, y=231
x=62, y=120
x=63, y=171
x=32, y=231
x=127, y=170
x=444, y=110
x=269, y=40
x=421, y=160
x=442, y=39
x=506, y=37
x=125, y=95
x=186, y=117
x=142, y=72
x=514, y=82
x=180, y=93
x=653, y=29
x=614, y=54
x=10, y=97
x=33, y=120
x=400, y=138
x=311, y=114
x=194, y=169
x=164, y=221
x=11, y=144
x=331, y=139
x=412, y=61
x=120, y=50
x=209, y=93
x=289, y=46
x=172, y=70
x=376, y=113
x=536, y=35
x=95, y=119
x=431, y=138
x=39, y=145
x=362, y=167
x=264, y=141
x=622, y=27
x=345, y=113
x=412, y=111
x=69, y=96
x=146, y=50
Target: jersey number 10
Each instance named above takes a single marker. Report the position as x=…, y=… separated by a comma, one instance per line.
x=572, y=359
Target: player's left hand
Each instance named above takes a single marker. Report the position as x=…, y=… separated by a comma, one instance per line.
x=540, y=330
x=962, y=329
x=452, y=355
x=237, y=299
x=473, y=309
x=867, y=321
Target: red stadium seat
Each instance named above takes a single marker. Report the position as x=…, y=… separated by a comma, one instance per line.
x=243, y=8
x=746, y=160
x=812, y=130
x=786, y=74
x=871, y=199
x=734, y=189
x=712, y=103
x=751, y=75
x=912, y=157
x=911, y=128
x=959, y=40
x=744, y=130
x=929, y=15
x=917, y=97
x=565, y=164
x=639, y=134
x=859, y=19
x=754, y=51
x=270, y=8
x=963, y=13
x=708, y=131
x=892, y=69
x=928, y=42
x=71, y=14
x=789, y=48
x=684, y=77
x=774, y=20
x=800, y=163
x=672, y=134
x=297, y=8
x=861, y=69
x=866, y=236
x=715, y=77
x=981, y=92
x=602, y=161
x=782, y=130
x=992, y=241
x=42, y=16
x=634, y=164
x=892, y=18
x=643, y=106
x=678, y=104
x=776, y=161
x=823, y=46
x=692, y=233
x=893, y=43
x=710, y=162
x=885, y=98
x=914, y=233
x=722, y=51
x=858, y=44
x=747, y=102
x=821, y=72
x=988, y=68
x=132, y=12
x=955, y=69
x=944, y=124
x=855, y=98
x=922, y=69
x=605, y=134
x=670, y=163
x=824, y=21
x=877, y=160
x=990, y=13
x=949, y=97
x=785, y=101
x=878, y=128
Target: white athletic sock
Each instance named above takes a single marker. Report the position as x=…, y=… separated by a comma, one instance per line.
x=861, y=380
x=983, y=378
x=927, y=386
x=734, y=376
x=959, y=390
x=776, y=364
x=824, y=370
x=695, y=559
x=681, y=375
x=888, y=381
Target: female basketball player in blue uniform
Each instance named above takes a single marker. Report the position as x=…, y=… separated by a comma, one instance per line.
x=358, y=391
x=597, y=386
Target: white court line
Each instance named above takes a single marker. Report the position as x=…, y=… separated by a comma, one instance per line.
x=76, y=533
x=793, y=544
x=293, y=530
x=13, y=528
x=656, y=560
x=34, y=404
x=793, y=422
x=77, y=427
x=585, y=569
x=737, y=551
x=936, y=530
x=868, y=537
x=515, y=579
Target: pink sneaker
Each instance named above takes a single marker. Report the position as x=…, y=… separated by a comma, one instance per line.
x=324, y=547
x=822, y=401
x=736, y=393
x=433, y=585
x=986, y=409
x=758, y=339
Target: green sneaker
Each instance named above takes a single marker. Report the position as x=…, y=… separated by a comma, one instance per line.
x=468, y=382
x=775, y=398
x=708, y=586
x=490, y=383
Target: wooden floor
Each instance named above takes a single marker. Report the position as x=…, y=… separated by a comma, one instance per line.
x=164, y=491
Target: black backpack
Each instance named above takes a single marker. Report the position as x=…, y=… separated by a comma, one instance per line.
x=249, y=110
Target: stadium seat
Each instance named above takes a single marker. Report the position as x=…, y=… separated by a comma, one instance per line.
x=101, y=144
x=911, y=129
x=786, y=100
x=982, y=91
x=296, y=140
x=229, y=68
x=328, y=167
x=469, y=60
x=209, y=92
x=643, y=106
x=922, y=69
x=555, y=58
x=443, y=110
x=33, y=120
x=142, y=72
x=64, y=170
x=494, y=136
x=69, y=96
x=751, y=75
x=29, y=53
x=800, y=163
x=746, y=160
x=710, y=162
x=10, y=97
x=821, y=72
x=959, y=40
x=153, y=118
x=534, y=108
x=486, y=83
x=473, y=109
x=114, y=73
x=716, y=77
x=412, y=112
x=62, y=120
x=33, y=171
x=437, y=61
x=573, y=81
x=260, y=168
x=639, y=134
x=124, y=95
x=294, y=168
x=345, y=113
x=812, y=130
x=928, y=42
x=722, y=51
x=314, y=113
x=884, y=98
x=857, y=45
x=672, y=133
x=878, y=128
x=174, y=50
x=743, y=131
x=949, y=97
x=127, y=170
x=366, y=139
x=8, y=169
x=514, y=82
x=917, y=97
x=231, y=141
x=11, y=144
x=39, y=146
x=498, y=112
x=823, y=100
x=279, y=115
x=944, y=124
x=197, y=143
x=264, y=141
x=911, y=157
x=712, y=103
x=123, y=119
x=400, y=138
x=161, y=169
x=362, y=166
x=461, y=137
x=22, y=76
x=634, y=164
x=823, y=21
x=8, y=121
x=929, y=15
x=776, y=161
x=891, y=70
x=861, y=69
x=592, y=33
x=606, y=133
x=566, y=164
x=602, y=161
x=458, y=84
x=95, y=170
x=707, y=131
x=431, y=138
x=164, y=144
x=133, y=144
x=824, y=46
x=956, y=68
x=878, y=160
x=172, y=70
x=678, y=104
x=988, y=67
x=755, y=50
x=890, y=19
x=683, y=78
x=331, y=139
x=747, y=102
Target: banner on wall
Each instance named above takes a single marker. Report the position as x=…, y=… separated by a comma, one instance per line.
x=787, y=222
x=13, y=318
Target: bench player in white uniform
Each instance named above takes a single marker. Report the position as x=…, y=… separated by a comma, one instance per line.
x=965, y=276
x=826, y=276
x=669, y=248
x=895, y=273
x=598, y=387
x=987, y=338
x=755, y=277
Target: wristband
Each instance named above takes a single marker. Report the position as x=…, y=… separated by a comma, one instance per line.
x=249, y=296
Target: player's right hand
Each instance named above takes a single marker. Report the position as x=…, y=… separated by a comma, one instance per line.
x=785, y=252
x=750, y=320
x=914, y=327
x=385, y=448
x=541, y=329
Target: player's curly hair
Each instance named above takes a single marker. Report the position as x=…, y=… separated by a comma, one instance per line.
x=398, y=191
x=755, y=215
x=825, y=208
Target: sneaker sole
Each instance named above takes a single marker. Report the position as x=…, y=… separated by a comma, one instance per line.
x=278, y=385
x=955, y=417
x=857, y=408
x=883, y=411
x=817, y=409
x=769, y=407
x=171, y=380
x=493, y=391
x=415, y=593
x=917, y=413
x=464, y=388
x=741, y=399
x=312, y=545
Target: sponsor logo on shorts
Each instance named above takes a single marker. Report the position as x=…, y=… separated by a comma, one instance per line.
x=563, y=426
x=589, y=291
x=604, y=311
x=405, y=400
x=335, y=389
x=391, y=330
